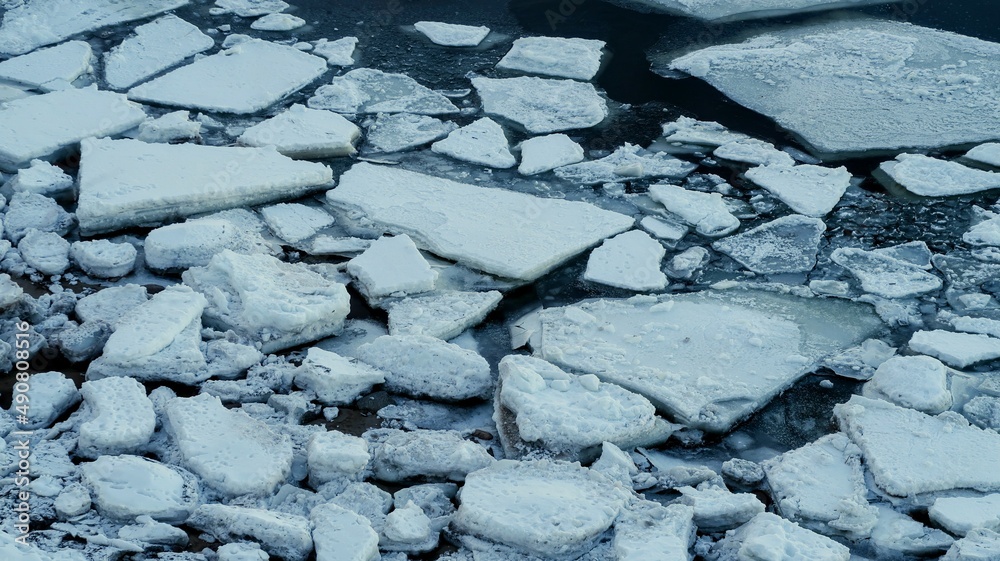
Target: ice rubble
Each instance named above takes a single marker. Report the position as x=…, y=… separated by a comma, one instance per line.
x=121, y=420
x=395, y=132
x=46, y=252
x=869, y=74
x=336, y=380
x=627, y=163
x=480, y=142
x=300, y=132
x=156, y=46
x=249, y=8
x=542, y=105
x=806, y=189
x=731, y=352
x=444, y=315
x=401, y=456
x=885, y=276
x=392, y=266
x=494, y=230
x=961, y=515
x=729, y=10
x=125, y=487
x=54, y=68
x=664, y=229
x=286, y=536
x=917, y=382
x=126, y=182
x=424, y=366
x=29, y=129
x=786, y=245
x=931, y=177
x=540, y=154
x=956, y=349
x=716, y=509
x=277, y=22
x=754, y=152
x=707, y=212
x=979, y=545
x=341, y=535
x=452, y=35
x=170, y=127
x=37, y=23
x=631, y=260
x=561, y=57
x=769, y=536
x=685, y=131
x=50, y=394
x=229, y=81
x=333, y=455
x=366, y=90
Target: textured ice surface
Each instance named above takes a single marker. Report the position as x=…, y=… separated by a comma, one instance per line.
x=230, y=81
x=631, y=260
x=286, y=536
x=481, y=142
x=716, y=509
x=885, y=276
x=730, y=10
x=121, y=417
x=688, y=131
x=170, y=127
x=294, y=222
x=396, y=132
x=341, y=535
x=46, y=252
x=560, y=57
x=809, y=190
x=333, y=455
x=250, y=8
x=956, y=349
x=42, y=178
x=627, y=163
x=544, y=153
x=193, y=243
x=366, y=90
x=127, y=182
x=443, y=315
x=420, y=366
x=49, y=69
x=104, y=259
x=277, y=22
x=452, y=35
x=917, y=382
x=897, y=534
x=497, y=231
x=336, y=380
x=392, y=266
x=124, y=487
x=49, y=395
x=156, y=46
x=541, y=105
x=931, y=177
x=336, y=53
x=786, y=245
x=985, y=154
x=648, y=531
x=706, y=212
x=979, y=545
x=961, y=515
x=874, y=85
x=730, y=352
x=771, y=538
x=29, y=211
x=401, y=456
x=754, y=152
x=301, y=132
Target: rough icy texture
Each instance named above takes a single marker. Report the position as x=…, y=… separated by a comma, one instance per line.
x=627, y=163
x=548, y=509
x=809, y=190
x=897, y=534
x=542, y=105
x=561, y=57
x=286, y=536
x=122, y=417
x=956, y=349
x=424, y=366
x=705, y=211
x=544, y=153
x=716, y=509
x=232, y=452
x=49, y=69
x=341, y=535
x=193, y=243
x=444, y=315
x=230, y=81
x=452, y=35
x=885, y=276
x=497, y=231
x=366, y=90
x=333, y=455
x=730, y=352
x=822, y=486
x=768, y=537
x=730, y=10
x=985, y=154
x=250, y=8
x=50, y=394
x=294, y=222
x=664, y=229
x=300, y=132
x=336, y=380
x=104, y=259
x=277, y=22
x=42, y=178
x=47, y=126
x=336, y=53
x=979, y=545
x=917, y=382
x=396, y=132
x=243, y=291
x=885, y=83
x=109, y=304
x=754, y=152
x=37, y=23
x=786, y=245
x=480, y=142
x=930, y=177
x=631, y=260
x=155, y=47
x=961, y=515
x=126, y=183
x=392, y=266
x=125, y=487
x=170, y=127
x=426, y=453
x=648, y=531
x=686, y=130
x=904, y=461
x=29, y=211
x=46, y=252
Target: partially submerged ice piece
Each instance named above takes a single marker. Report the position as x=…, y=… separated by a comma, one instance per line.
x=444, y=315
x=193, y=243
x=494, y=230
x=561, y=57
x=423, y=366
x=285, y=536
x=395, y=132
x=885, y=276
x=628, y=163
x=156, y=46
x=729, y=352
x=336, y=380
x=124, y=487
x=366, y=90
x=730, y=10
x=401, y=456
x=917, y=382
x=37, y=23
x=905, y=462
x=631, y=260
x=822, y=487
x=392, y=266
x=452, y=35
x=249, y=8
x=231, y=81
x=770, y=537
x=961, y=515
x=870, y=74
x=648, y=531
x=897, y=534
x=687, y=131
x=544, y=153
x=786, y=245
x=104, y=259
x=931, y=177
x=480, y=142
x=707, y=212
x=809, y=190
x=243, y=290
x=542, y=105
x=336, y=53
x=48, y=126
x=979, y=545
x=956, y=349
x=50, y=69
x=754, y=152
x=548, y=509
x=277, y=22
x=300, y=132
x=42, y=178
x=126, y=183
x=171, y=127
x=341, y=535
x=717, y=509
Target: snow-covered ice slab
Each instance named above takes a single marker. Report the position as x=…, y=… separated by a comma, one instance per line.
x=931, y=177
x=193, y=243
x=243, y=290
x=631, y=260
x=48, y=126
x=961, y=515
x=889, y=85
x=121, y=417
x=985, y=154
x=366, y=90
x=538, y=405
x=956, y=349
x=500, y=232
x=49, y=69
x=544, y=153
x=451, y=34
x=627, y=163
x=37, y=23
x=336, y=53
x=897, y=534
x=729, y=352
x=300, y=132
x=392, y=266
x=480, y=142
x=885, y=276
x=50, y=394
x=395, y=132
x=341, y=535
x=231, y=81
x=42, y=178
x=648, y=531
x=333, y=455
x=285, y=536
x=917, y=382
x=770, y=537
x=155, y=47
x=548, y=509
x=232, y=452
x=707, y=212
x=735, y=10
x=46, y=252
x=786, y=245
x=125, y=487
x=126, y=183
x=249, y=8
x=809, y=190
x=336, y=380
x=104, y=259
x=444, y=315
x=404, y=455
x=717, y=509
x=542, y=105
x=687, y=131
x=754, y=152
x=424, y=366
x=822, y=487
x=277, y=22
x=561, y=57
x=910, y=453
x=169, y=128
x=979, y=545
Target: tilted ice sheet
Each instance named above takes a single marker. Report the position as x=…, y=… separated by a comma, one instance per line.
x=562, y=57
x=809, y=190
x=452, y=35
x=366, y=90
x=541, y=105
x=734, y=10
x=871, y=85
x=931, y=177
x=497, y=231
x=49, y=69
x=300, y=132
x=156, y=46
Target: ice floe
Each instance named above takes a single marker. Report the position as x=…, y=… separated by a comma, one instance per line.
x=716, y=509
x=424, y=366
x=336, y=53
x=722, y=10
x=480, y=142
x=294, y=222
x=42, y=178
x=336, y=380
x=392, y=266
x=277, y=22
x=395, y=132
x=156, y=46
x=125, y=487
x=250, y=8
x=627, y=163
x=931, y=177
x=301, y=132
x=169, y=128
x=50, y=394
x=121, y=420
x=46, y=252
x=545, y=153
x=401, y=455
x=542, y=105
x=333, y=455
x=786, y=245
x=631, y=260
x=806, y=189
x=768, y=536
x=342, y=535
x=193, y=243
x=366, y=90
x=648, y=531
x=452, y=35
x=978, y=545
x=54, y=68
x=917, y=382
x=961, y=515
x=561, y=57
x=706, y=212
x=444, y=315
x=885, y=276
x=28, y=211
x=754, y=152
x=104, y=259
x=956, y=349
x=286, y=536
x=985, y=154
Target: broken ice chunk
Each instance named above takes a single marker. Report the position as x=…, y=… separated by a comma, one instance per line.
x=664, y=229
x=366, y=90
x=54, y=68
x=333, y=455
x=41, y=178
x=648, y=531
x=961, y=515
x=452, y=35
x=294, y=222
x=408, y=529
x=986, y=232
x=979, y=545
x=481, y=142
x=109, y=304
x=423, y=366
x=396, y=132
x=443, y=315
x=46, y=252
x=392, y=267
x=686, y=130
x=193, y=243
x=341, y=535
x=399, y=456
x=31, y=211
x=127, y=182
x=809, y=190
x=985, y=154
x=770, y=537
x=300, y=132
x=754, y=152
x=169, y=128
x=631, y=260
x=896, y=534
x=915, y=253
x=541, y=105
x=277, y=22
x=930, y=177
x=544, y=153
x=786, y=245
x=155, y=47
x=627, y=163
x=685, y=264
x=250, y=8
x=956, y=349
x=286, y=536
x=104, y=259
x=885, y=276
x=917, y=382
x=49, y=395
x=716, y=509
x=230, y=81
x=336, y=53
x=121, y=418
x=705, y=211
x=125, y=487
x=336, y=380
x=561, y=57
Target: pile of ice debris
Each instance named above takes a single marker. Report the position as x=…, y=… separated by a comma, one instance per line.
x=234, y=360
